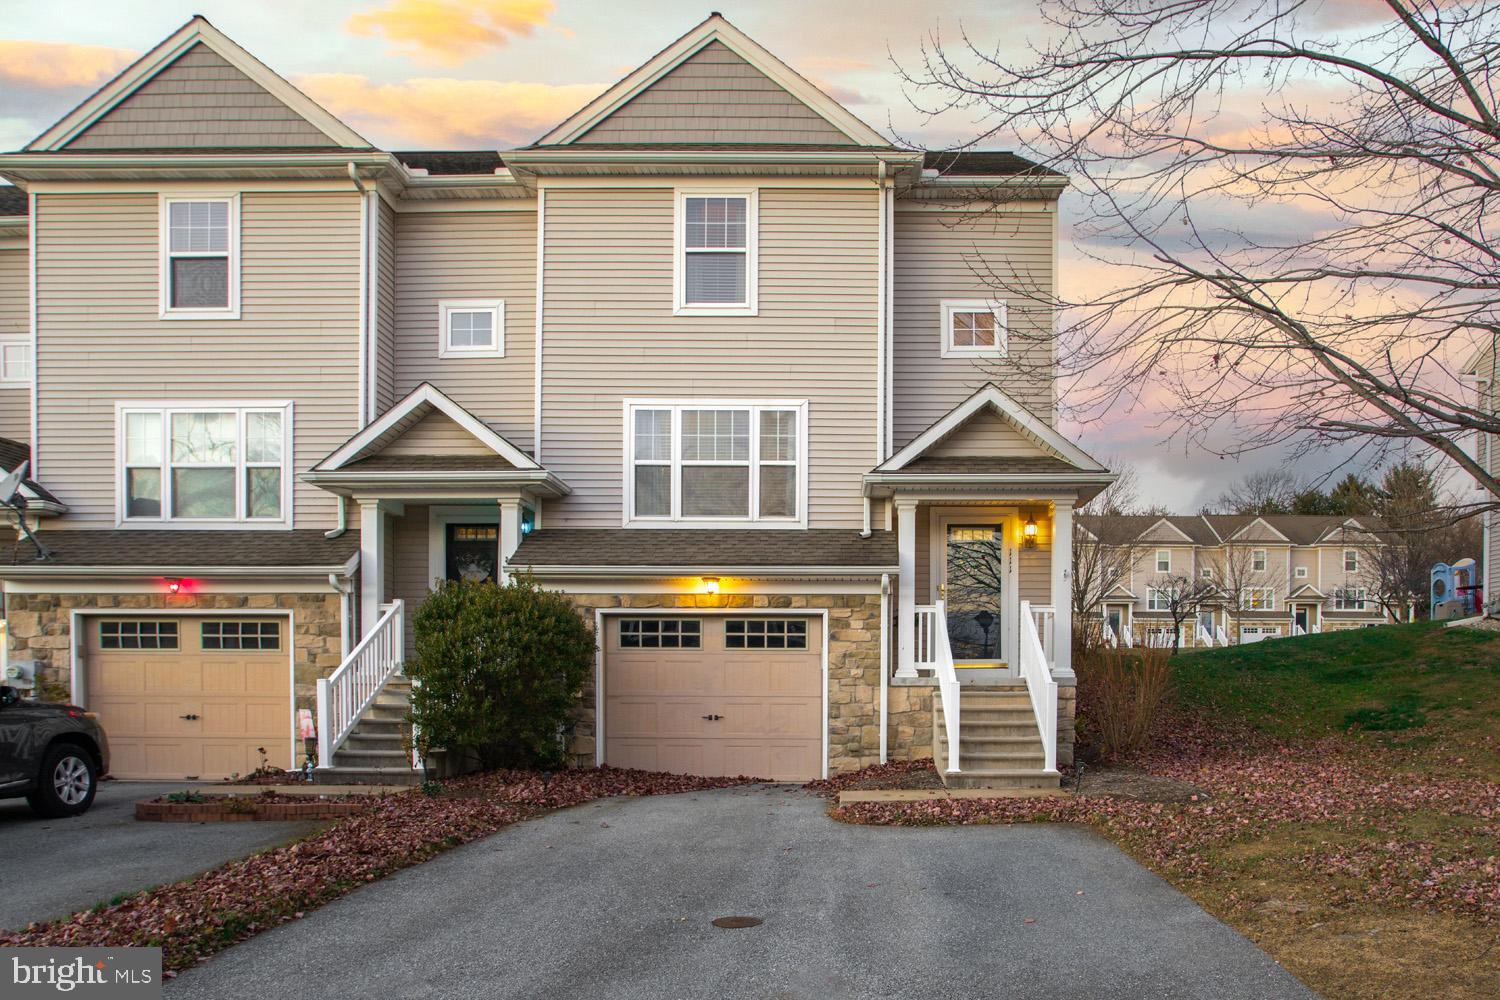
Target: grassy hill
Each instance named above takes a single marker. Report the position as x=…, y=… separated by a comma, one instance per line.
x=1385, y=680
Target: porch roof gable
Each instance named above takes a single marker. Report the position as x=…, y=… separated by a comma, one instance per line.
x=364, y=448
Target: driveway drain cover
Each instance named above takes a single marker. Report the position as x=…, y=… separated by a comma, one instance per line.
x=734, y=923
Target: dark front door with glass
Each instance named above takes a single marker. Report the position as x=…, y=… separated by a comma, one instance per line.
x=473, y=551
x=974, y=592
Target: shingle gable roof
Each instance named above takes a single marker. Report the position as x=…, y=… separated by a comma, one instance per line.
x=689, y=550
x=984, y=163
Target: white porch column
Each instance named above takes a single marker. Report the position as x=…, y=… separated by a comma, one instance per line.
x=1062, y=588
x=372, y=550
x=510, y=534
x=906, y=583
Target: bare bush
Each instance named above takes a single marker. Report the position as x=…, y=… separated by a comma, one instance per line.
x=1120, y=695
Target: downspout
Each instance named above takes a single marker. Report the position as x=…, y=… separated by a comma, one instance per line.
x=343, y=520
x=881, y=294
x=885, y=664
x=864, y=532
x=345, y=587
x=364, y=292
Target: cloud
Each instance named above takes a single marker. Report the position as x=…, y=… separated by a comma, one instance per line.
x=56, y=65
x=447, y=32
x=443, y=113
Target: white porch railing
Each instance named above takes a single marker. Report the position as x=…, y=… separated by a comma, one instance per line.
x=1127, y=635
x=1039, y=682
x=345, y=694
x=1046, y=617
x=1203, y=637
x=1221, y=635
x=930, y=651
x=1109, y=635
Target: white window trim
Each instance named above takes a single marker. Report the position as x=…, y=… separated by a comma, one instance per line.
x=1159, y=554
x=1300, y=573
x=995, y=307
x=165, y=255
x=1351, y=555
x=496, y=307
x=1246, y=604
x=1260, y=560
x=1206, y=573
x=751, y=305
x=1168, y=596
x=675, y=519
x=1351, y=599
x=23, y=382
x=240, y=408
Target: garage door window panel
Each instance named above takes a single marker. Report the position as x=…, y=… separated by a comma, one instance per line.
x=133, y=634
x=661, y=633
x=765, y=633
x=240, y=635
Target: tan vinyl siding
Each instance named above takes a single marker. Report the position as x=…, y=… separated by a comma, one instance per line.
x=385, y=314
x=469, y=255
x=200, y=100
x=15, y=323
x=101, y=340
x=436, y=434
x=1005, y=253
x=986, y=435
x=715, y=96
x=610, y=334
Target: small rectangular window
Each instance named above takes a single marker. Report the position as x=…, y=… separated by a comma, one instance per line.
x=1300, y=572
x=973, y=329
x=200, y=258
x=471, y=328
x=237, y=635
x=1163, y=560
x=15, y=362
x=1258, y=560
x=716, y=253
x=661, y=633
x=1351, y=560
x=1206, y=573
x=137, y=634
x=765, y=633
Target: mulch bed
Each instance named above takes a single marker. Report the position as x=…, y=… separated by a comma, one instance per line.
x=193, y=919
x=913, y=774
x=1250, y=785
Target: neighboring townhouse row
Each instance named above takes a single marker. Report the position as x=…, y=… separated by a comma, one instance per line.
x=1218, y=579
x=712, y=358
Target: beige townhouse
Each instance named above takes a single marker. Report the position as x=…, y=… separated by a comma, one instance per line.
x=713, y=358
x=1479, y=372
x=1221, y=579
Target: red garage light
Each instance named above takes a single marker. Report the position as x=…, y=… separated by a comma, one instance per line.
x=174, y=585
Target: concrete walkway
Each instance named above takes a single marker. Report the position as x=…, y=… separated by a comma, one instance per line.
x=615, y=899
x=54, y=867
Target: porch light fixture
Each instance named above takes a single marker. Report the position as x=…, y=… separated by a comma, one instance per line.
x=1028, y=533
x=174, y=584
x=710, y=585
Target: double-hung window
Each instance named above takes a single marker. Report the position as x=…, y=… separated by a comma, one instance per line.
x=716, y=249
x=974, y=329
x=1164, y=560
x=15, y=362
x=1258, y=560
x=1258, y=599
x=691, y=463
x=1351, y=560
x=192, y=465
x=200, y=257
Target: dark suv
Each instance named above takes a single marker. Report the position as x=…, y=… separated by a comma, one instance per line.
x=52, y=754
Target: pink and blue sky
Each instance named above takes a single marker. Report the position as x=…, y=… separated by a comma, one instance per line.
x=490, y=74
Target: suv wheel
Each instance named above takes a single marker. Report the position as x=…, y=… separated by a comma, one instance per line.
x=67, y=783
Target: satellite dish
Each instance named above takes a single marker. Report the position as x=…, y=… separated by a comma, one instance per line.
x=11, y=498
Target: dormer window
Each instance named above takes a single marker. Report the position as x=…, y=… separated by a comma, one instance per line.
x=200, y=257
x=715, y=271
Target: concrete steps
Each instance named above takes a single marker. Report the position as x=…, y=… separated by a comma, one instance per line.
x=999, y=746
x=373, y=753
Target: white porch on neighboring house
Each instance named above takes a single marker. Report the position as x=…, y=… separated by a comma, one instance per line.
x=982, y=506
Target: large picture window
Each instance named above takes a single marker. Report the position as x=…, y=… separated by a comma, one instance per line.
x=199, y=464
x=715, y=267
x=715, y=461
x=200, y=252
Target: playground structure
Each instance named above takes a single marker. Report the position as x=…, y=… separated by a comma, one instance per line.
x=1456, y=591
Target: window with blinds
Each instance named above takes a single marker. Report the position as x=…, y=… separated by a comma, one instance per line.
x=715, y=266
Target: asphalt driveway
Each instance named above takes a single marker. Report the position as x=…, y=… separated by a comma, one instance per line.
x=615, y=899
x=54, y=867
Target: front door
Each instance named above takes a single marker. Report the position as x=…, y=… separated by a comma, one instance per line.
x=1299, y=616
x=1114, y=617
x=473, y=551
x=974, y=594
x=1206, y=627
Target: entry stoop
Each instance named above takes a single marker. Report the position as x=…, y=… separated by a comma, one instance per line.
x=999, y=745
x=373, y=754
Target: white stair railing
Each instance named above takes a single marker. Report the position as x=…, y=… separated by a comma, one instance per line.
x=1298, y=629
x=1045, y=616
x=1109, y=635
x=1126, y=633
x=345, y=694
x=931, y=651
x=1221, y=635
x=1040, y=684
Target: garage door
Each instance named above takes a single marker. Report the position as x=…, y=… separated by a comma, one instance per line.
x=190, y=697
x=715, y=695
x=1255, y=633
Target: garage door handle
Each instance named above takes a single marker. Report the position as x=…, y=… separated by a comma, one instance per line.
x=713, y=718
x=190, y=717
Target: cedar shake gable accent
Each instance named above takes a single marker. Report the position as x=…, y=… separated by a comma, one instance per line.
x=725, y=551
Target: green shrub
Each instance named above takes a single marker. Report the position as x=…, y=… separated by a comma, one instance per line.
x=497, y=671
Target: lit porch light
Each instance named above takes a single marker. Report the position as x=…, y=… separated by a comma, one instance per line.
x=1028, y=533
x=174, y=584
x=710, y=585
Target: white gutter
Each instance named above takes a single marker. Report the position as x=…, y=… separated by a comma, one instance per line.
x=541, y=287
x=364, y=295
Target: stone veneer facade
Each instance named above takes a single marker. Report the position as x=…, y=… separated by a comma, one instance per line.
x=853, y=675
x=40, y=624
